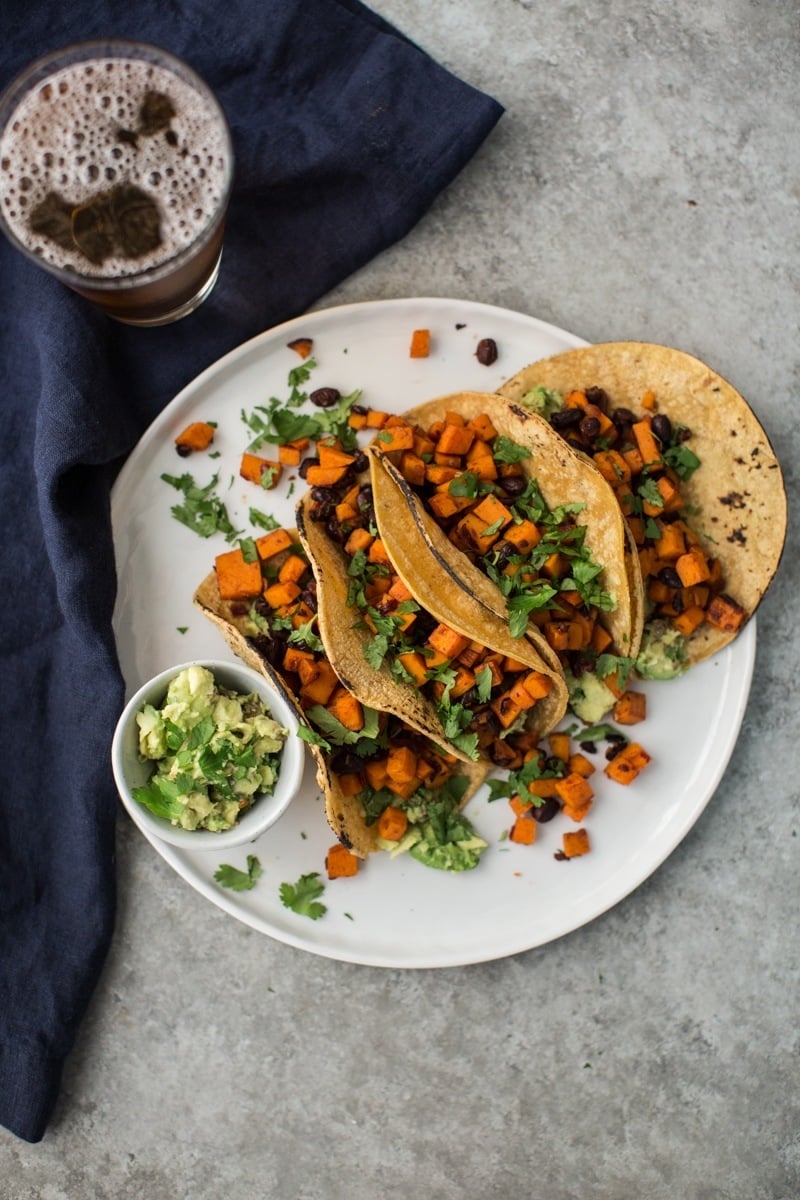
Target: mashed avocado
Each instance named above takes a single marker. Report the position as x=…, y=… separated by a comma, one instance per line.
x=543, y=400
x=214, y=751
x=589, y=698
x=438, y=834
x=663, y=652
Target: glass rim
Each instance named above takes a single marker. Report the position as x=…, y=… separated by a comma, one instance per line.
x=36, y=72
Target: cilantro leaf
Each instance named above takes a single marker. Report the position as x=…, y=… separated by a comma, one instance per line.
x=302, y=897
x=682, y=460
x=263, y=520
x=202, y=510
x=236, y=880
x=506, y=451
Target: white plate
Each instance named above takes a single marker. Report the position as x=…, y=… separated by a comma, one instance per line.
x=399, y=913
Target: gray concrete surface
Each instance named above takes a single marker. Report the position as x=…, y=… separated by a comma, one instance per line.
x=643, y=183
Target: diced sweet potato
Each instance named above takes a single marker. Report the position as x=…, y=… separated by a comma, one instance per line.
x=575, y=843
x=724, y=613
x=266, y=472
x=272, y=543
x=574, y=790
x=392, y=824
x=197, y=436
x=302, y=346
x=236, y=578
x=626, y=765
x=523, y=831
x=630, y=709
x=340, y=862
x=344, y=706
x=420, y=343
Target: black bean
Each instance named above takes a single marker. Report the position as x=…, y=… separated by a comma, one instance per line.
x=514, y=485
x=662, y=428
x=589, y=427
x=683, y=434
x=486, y=352
x=598, y=397
x=360, y=462
x=325, y=397
x=670, y=577
x=623, y=416
x=565, y=418
x=589, y=747
x=311, y=461
x=545, y=811
x=184, y=451
x=360, y=410
x=614, y=750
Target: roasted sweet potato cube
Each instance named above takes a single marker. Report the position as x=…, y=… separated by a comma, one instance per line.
x=574, y=790
x=724, y=613
x=236, y=578
x=523, y=831
x=340, y=862
x=630, y=709
x=272, y=543
x=625, y=766
x=575, y=843
x=197, y=436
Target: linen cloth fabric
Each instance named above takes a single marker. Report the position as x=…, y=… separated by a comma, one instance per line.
x=344, y=132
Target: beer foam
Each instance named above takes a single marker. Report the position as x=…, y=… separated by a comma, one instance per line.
x=64, y=137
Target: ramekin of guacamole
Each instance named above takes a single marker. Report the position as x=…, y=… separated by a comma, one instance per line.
x=203, y=748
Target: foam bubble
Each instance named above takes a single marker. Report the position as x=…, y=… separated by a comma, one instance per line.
x=65, y=136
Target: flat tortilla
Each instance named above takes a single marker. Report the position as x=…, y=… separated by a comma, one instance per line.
x=738, y=489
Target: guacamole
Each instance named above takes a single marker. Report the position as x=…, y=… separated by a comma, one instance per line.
x=214, y=750
x=438, y=834
x=662, y=654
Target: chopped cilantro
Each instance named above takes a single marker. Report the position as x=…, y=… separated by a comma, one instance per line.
x=302, y=897
x=506, y=451
x=202, y=510
x=236, y=880
x=263, y=520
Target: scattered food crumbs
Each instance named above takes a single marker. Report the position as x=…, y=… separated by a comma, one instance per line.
x=461, y=325
x=420, y=343
x=349, y=916
x=182, y=628
x=303, y=835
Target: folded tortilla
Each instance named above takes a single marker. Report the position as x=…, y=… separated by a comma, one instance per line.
x=738, y=492
x=433, y=588
x=344, y=812
x=563, y=478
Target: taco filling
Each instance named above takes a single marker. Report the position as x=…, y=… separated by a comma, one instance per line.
x=482, y=701
x=537, y=563
x=378, y=774
x=693, y=475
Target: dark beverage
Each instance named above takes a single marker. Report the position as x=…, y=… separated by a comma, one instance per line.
x=115, y=170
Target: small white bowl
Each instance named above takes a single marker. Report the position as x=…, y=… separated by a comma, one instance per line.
x=131, y=771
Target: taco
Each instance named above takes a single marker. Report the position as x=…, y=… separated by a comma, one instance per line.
x=415, y=645
x=693, y=473
x=522, y=525
x=368, y=763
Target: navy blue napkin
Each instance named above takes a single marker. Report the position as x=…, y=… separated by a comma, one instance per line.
x=373, y=131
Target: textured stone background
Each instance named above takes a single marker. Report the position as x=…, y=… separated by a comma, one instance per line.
x=644, y=183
